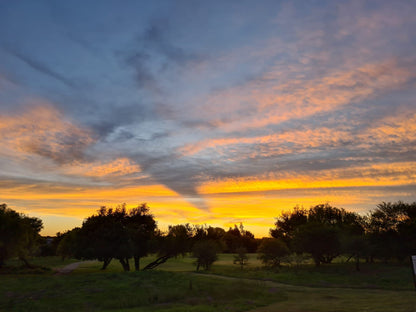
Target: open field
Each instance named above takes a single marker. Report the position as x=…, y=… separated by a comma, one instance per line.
x=143, y=291
x=338, y=274
x=175, y=286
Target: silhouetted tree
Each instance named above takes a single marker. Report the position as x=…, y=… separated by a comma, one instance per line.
x=141, y=226
x=288, y=223
x=205, y=252
x=272, y=251
x=320, y=240
x=238, y=237
x=320, y=231
x=241, y=257
x=178, y=241
x=69, y=245
x=105, y=236
x=215, y=233
x=19, y=235
x=391, y=230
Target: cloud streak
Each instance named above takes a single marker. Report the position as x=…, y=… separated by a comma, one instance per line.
x=41, y=68
x=44, y=131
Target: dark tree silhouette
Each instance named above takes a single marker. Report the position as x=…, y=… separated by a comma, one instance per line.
x=241, y=257
x=177, y=242
x=288, y=223
x=105, y=236
x=19, y=235
x=141, y=227
x=320, y=240
x=272, y=251
x=68, y=246
x=320, y=231
x=391, y=230
x=205, y=252
x=238, y=237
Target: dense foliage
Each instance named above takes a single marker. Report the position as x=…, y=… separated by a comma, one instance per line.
x=205, y=252
x=112, y=234
x=323, y=232
x=272, y=251
x=19, y=235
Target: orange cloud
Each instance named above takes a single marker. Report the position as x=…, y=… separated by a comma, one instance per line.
x=394, y=129
x=117, y=167
x=43, y=131
x=273, y=98
x=301, y=138
x=372, y=175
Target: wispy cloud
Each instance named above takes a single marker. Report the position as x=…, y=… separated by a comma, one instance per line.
x=117, y=167
x=42, y=68
x=44, y=131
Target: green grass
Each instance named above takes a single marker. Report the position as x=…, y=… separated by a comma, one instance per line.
x=143, y=291
x=338, y=274
x=343, y=275
x=175, y=286
x=178, y=264
x=311, y=299
x=43, y=265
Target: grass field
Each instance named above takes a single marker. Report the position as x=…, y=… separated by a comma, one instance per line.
x=175, y=286
x=143, y=291
x=338, y=274
x=42, y=264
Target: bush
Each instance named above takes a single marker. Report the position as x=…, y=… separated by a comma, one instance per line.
x=272, y=251
x=205, y=253
x=241, y=257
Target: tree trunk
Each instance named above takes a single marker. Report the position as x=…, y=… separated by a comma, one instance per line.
x=125, y=264
x=106, y=262
x=137, y=263
x=3, y=256
x=27, y=264
x=349, y=258
x=316, y=260
x=357, y=262
x=156, y=263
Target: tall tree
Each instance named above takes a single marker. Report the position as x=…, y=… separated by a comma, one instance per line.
x=288, y=223
x=105, y=236
x=392, y=230
x=141, y=226
x=205, y=252
x=320, y=240
x=178, y=241
x=271, y=251
x=19, y=235
x=318, y=231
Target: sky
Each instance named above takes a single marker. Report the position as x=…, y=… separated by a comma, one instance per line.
x=211, y=112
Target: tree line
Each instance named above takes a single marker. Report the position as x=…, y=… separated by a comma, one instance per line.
x=322, y=232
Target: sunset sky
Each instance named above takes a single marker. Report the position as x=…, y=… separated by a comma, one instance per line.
x=214, y=112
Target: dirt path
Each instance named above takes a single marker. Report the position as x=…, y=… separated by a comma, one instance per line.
x=68, y=268
x=306, y=299
x=253, y=280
